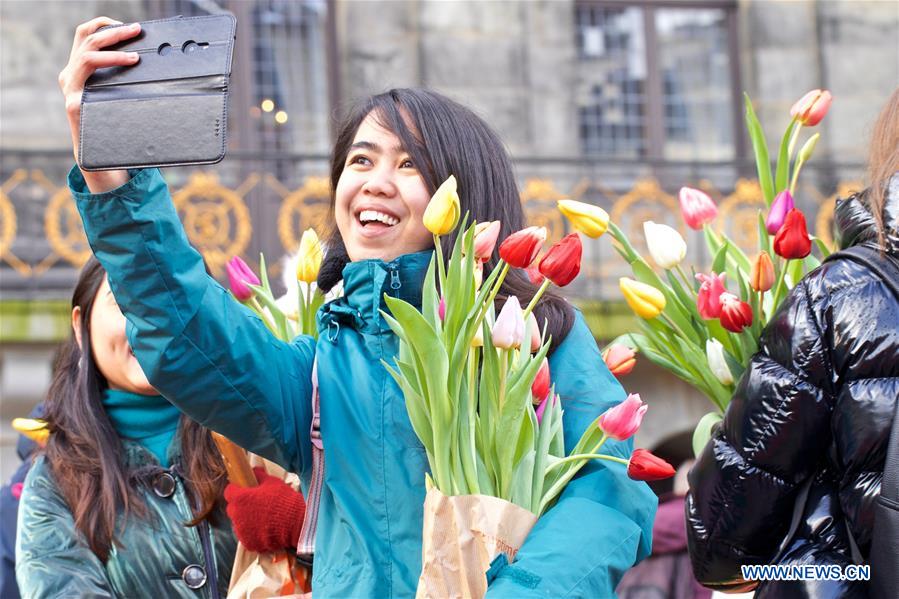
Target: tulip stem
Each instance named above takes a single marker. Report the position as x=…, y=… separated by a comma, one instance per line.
x=496, y=285
x=588, y=456
x=780, y=282
x=533, y=303
x=441, y=267
x=257, y=307
x=674, y=326
x=686, y=279
x=793, y=141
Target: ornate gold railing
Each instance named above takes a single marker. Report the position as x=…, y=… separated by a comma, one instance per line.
x=221, y=223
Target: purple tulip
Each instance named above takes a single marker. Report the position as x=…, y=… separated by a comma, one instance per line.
x=239, y=275
x=782, y=204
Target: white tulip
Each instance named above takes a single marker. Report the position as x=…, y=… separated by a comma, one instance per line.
x=714, y=351
x=666, y=246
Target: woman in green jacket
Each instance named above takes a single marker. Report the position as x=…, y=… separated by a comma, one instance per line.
x=125, y=500
x=216, y=361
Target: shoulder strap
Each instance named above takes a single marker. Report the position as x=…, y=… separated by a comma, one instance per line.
x=306, y=544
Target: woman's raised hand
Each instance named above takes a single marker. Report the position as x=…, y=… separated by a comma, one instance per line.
x=87, y=56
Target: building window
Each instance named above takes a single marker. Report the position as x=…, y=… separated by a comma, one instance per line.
x=656, y=81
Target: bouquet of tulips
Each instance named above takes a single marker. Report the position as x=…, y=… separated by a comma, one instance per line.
x=285, y=324
x=478, y=392
x=704, y=328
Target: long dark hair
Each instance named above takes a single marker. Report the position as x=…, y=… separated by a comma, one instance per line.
x=86, y=456
x=444, y=138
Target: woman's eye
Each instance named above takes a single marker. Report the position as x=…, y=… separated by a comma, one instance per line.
x=407, y=163
x=360, y=159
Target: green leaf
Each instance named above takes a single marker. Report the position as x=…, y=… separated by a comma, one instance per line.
x=782, y=175
x=760, y=148
x=822, y=247
x=703, y=431
x=764, y=238
x=720, y=261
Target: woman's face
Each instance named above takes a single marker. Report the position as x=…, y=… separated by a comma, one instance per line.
x=109, y=345
x=380, y=197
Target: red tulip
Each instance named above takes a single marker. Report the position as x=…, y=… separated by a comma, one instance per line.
x=812, y=107
x=540, y=387
x=622, y=421
x=792, y=240
x=620, y=359
x=520, y=248
x=534, y=275
x=696, y=207
x=645, y=466
x=736, y=314
x=239, y=275
x=562, y=262
x=708, y=299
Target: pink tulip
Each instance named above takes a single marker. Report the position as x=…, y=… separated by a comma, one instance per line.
x=812, y=107
x=780, y=207
x=620, y=359
x=508, y=330
x=622, y=421
x=16, y=490
x=696, y=207
x=239, y=275
x=540, y=386
x=542, y=408
x=708, y=300
x=485, y=236
x=441, y=309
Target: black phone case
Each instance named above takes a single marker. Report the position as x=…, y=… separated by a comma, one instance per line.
x=168, y=109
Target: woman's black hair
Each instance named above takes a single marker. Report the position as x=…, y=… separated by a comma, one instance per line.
x=444, y=138
x=86, y=455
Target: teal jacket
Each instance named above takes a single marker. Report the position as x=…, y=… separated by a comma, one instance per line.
x=215, y=360
x=158, y=557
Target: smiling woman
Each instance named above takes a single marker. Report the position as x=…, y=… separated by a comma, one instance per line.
x=380, y=197
x=218, y=363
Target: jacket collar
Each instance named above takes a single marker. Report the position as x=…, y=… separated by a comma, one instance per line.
x=855, y=224
x=365, y=283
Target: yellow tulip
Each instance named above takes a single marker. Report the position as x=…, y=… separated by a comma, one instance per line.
x=645, y=300
x=442, y=213
x=310, y=257
x=590, y=220
x=34, y=429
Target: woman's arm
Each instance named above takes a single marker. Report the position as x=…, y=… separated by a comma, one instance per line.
x=51, y=560
x=773, y=437
x=602, y=522
x=203, y=351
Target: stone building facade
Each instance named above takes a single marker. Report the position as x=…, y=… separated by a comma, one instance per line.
x=614, y=102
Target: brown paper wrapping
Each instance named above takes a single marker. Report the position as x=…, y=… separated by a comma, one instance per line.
x=254, y=575
x=461, y=536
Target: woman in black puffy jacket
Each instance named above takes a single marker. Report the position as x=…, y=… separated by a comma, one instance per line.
x=816, y=403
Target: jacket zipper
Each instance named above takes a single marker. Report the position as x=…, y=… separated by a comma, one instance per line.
x=212, y=576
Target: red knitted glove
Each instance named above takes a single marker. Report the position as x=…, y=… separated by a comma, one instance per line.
x=266, y=518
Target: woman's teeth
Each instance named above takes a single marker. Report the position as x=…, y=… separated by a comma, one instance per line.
x=367, y=216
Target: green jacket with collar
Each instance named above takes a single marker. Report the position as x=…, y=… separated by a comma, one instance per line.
x=158, y=556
